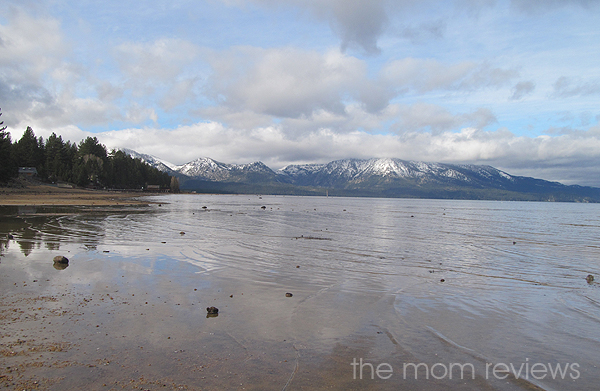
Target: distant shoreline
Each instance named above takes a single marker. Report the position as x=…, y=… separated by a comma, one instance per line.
x=39, y=194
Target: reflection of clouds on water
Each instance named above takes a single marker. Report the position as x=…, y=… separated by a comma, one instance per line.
x=514, y=272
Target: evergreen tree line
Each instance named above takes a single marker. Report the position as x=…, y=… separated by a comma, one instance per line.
x=86, y=164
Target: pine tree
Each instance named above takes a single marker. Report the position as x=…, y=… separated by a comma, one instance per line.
x=27, y=152
x=8, y=169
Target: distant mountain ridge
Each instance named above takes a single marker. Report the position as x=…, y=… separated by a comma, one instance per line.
x=339, y=172
x=376, y=177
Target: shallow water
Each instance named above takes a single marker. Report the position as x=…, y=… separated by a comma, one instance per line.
x=366, y=281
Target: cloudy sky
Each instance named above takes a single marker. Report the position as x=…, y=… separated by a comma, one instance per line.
x=514, y=84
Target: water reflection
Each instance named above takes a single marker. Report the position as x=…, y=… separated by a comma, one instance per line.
x=514, y=273
x=32, y=227
x=60, y=266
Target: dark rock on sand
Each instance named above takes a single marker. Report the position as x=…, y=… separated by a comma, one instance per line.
x=589, y=278
x=212, y=311
x=60, y=262
x=61, y=266
x=61, y=259
x=288, y=294
x=442, y=280
x=263, y=207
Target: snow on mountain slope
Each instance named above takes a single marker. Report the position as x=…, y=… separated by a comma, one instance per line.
x=359, y=170
x=158, y=163
x=336, y=172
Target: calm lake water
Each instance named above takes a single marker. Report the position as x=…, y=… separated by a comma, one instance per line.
x=473, y=294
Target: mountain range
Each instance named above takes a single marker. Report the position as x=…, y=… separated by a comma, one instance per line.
x=377, y=177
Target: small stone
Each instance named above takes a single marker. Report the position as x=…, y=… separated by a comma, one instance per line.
x=205, y=207
x=231, y=296
x=589, y=278
x=442, y=280
x=288, y=294
x=212, y=310
x=61, y=259
x=263, y=207
x=514, y=243
x=298, y=267
x=182, y=233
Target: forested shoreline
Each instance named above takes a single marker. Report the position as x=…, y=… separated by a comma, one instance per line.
x=88, y=164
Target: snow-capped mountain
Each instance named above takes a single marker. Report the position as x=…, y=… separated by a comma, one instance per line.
x=212, y=170
x=387, y=170
x=386, y=177
x=205, y=168
x=208, y=169
x=155, y=162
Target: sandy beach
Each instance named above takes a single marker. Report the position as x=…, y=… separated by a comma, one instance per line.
x=39, y=194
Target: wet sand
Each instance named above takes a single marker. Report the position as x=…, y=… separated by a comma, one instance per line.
x=37, y=194
x=130, y=332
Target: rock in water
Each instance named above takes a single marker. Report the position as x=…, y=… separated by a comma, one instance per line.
x=61, y=259
x=589, y=278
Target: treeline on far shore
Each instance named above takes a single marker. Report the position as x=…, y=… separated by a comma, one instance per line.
x=88, y=164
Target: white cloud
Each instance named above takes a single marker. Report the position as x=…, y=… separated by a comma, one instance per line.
x=29, y=49
x=137, y=114
x=29, y=45
x=161, y=60
x=429, y=117
x=162, y=70
x=284, y=82
x=424, y=75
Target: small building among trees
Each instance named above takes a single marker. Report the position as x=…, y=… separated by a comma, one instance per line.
x=28, y=172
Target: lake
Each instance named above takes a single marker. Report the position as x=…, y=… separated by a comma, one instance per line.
x=385, y=294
